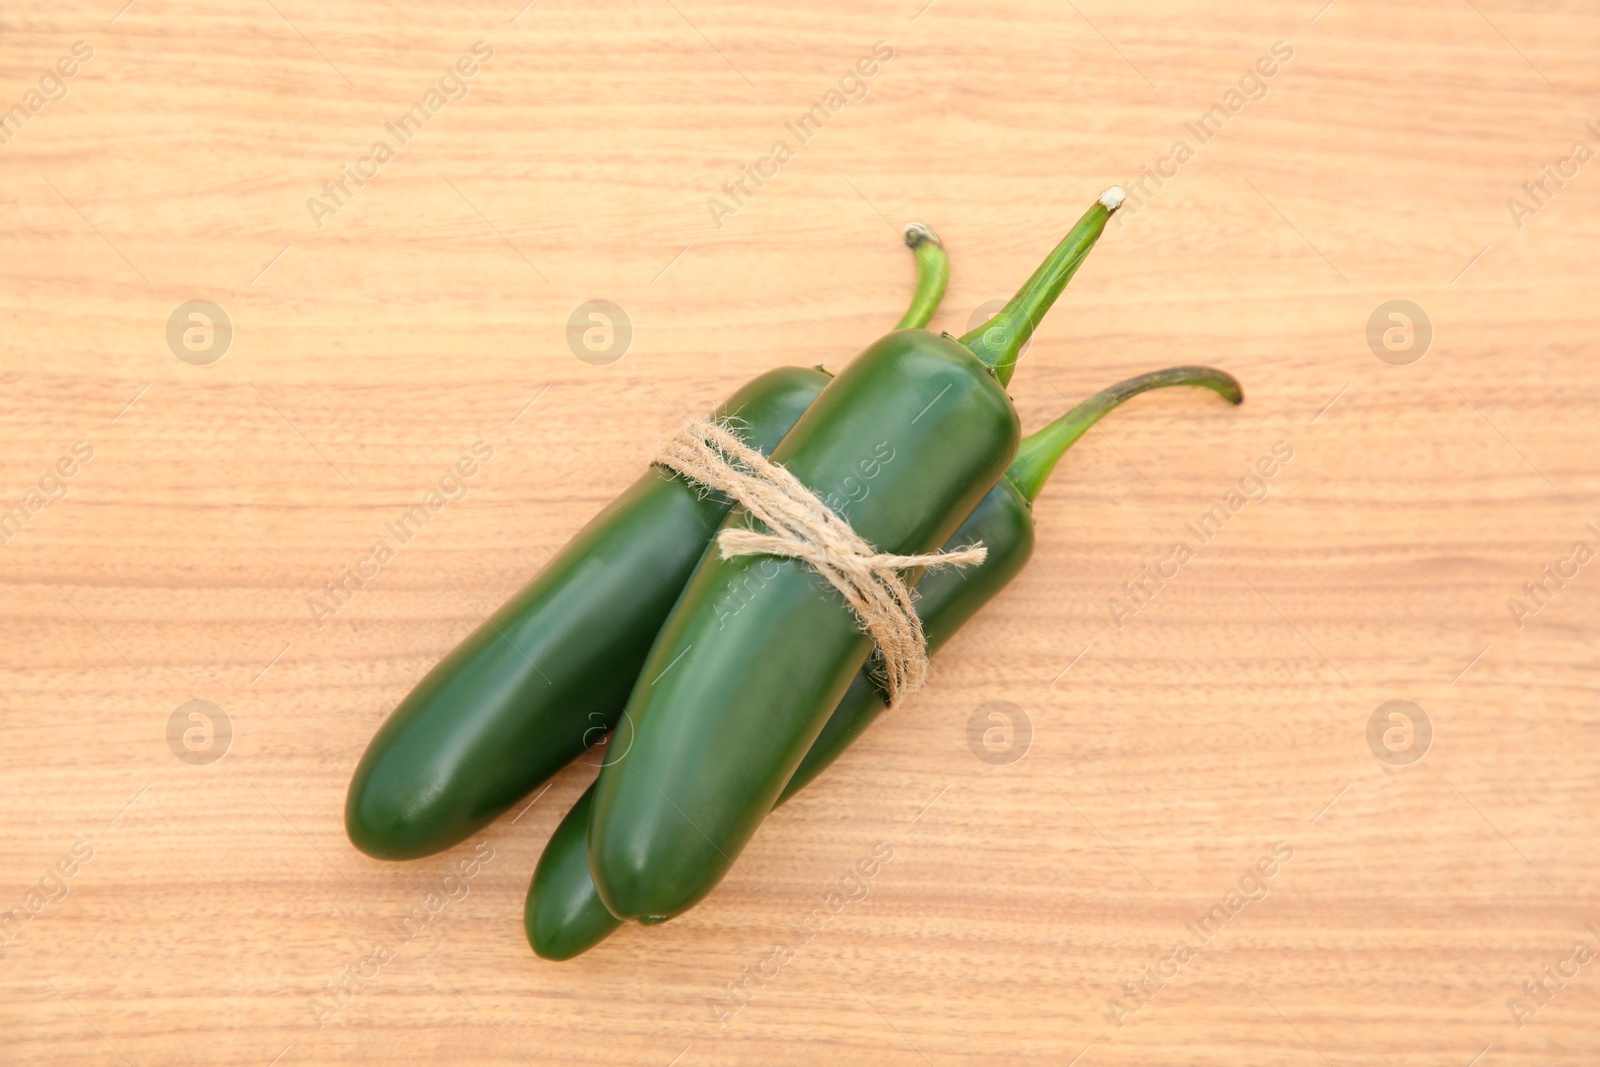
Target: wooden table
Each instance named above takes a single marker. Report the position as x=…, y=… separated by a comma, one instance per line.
x=381, y=330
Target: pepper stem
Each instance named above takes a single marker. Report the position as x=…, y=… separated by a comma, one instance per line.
x=1039, y=452
x=998, y=341
x=933, y=276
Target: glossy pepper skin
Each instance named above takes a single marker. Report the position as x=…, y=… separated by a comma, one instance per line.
x=730, y=700
x=563, y=915
x=947, y=599
x=758, y=651
x=547, y=676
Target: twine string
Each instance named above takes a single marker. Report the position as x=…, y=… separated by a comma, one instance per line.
x=804, y=528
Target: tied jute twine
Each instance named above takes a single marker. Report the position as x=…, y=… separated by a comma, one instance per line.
x=804, y=528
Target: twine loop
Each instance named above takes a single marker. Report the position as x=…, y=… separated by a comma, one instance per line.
x=805, y=528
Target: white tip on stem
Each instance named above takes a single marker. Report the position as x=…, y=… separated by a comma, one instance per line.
x=1113, y=197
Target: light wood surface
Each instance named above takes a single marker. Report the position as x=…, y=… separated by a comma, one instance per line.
x=1167, y=755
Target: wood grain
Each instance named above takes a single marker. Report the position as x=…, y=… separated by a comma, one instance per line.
x=1167, y=754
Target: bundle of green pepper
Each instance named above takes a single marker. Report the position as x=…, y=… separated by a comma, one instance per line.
x=723, y=686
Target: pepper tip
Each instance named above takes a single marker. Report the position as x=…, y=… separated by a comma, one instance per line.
x=1112, y=198
x=918, y=232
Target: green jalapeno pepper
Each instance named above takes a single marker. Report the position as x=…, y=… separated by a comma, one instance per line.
x=903, y=444
x=547, y=675
x=564, y=915
x=948, y=599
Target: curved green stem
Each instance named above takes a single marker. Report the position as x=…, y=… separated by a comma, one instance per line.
x=933, y=276
x=998, y=341
x=1038, y=453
